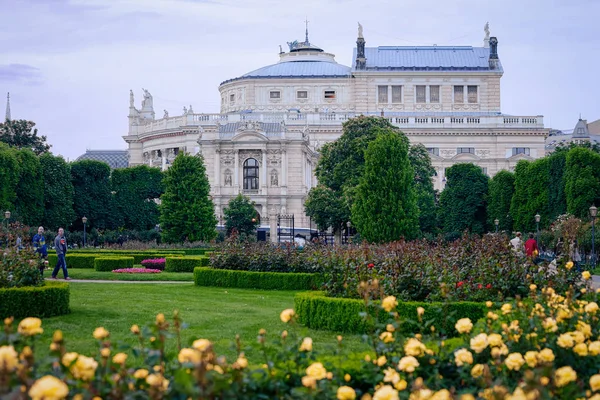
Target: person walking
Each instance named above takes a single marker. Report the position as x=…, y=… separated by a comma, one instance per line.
x=60, y=244
x=531, y=247
x=517, y=244
x=39, y=246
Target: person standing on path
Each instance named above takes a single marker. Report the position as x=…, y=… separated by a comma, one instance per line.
x=531, y=246
x=60, y=244
x=517, y=244
x=39, y=246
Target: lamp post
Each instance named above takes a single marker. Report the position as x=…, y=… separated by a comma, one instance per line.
x=537, y=227
x=348, y=225
x=7, y=217
x=593, y=214
x=84, y=220
x=496, y=222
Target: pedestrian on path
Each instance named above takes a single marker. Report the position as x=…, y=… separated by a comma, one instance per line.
x=39, y=246
x=531, y=247
x=517, y=244
x=60, y=244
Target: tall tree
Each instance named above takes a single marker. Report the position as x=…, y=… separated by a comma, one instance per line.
x=22, y=134
x=532, y=180
x=92, y=197
x=9, y=177
x=326, y=208
x=424, y=172
x=29, y=202
x=385, y=206
x=241, y=215
x=58, y=192
x=582, y=181
x=557, y=201
x=187, y=212
x=463, y=201
x=500, y=193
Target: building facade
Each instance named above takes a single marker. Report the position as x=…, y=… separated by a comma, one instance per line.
x=265, y=142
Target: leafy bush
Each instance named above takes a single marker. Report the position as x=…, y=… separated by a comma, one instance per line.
x=185, y=264
x=75, y=260
x=256, y=280
x=20, y=269
x=112, y=263
x=154, y=263
x=48, y=300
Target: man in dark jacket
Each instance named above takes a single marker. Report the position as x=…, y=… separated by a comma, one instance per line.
x=39, y=246
x=60, y=245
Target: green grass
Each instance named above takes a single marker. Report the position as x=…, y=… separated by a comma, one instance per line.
x=90, y=274
x=217, y=314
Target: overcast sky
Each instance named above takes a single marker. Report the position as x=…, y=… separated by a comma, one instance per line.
x=69, y=64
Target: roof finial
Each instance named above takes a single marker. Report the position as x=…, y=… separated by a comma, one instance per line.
x=8, y=106
x=306, y=22
x=486, y=39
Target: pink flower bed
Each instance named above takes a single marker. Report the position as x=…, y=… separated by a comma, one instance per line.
x=154, y=263
x=136, y=271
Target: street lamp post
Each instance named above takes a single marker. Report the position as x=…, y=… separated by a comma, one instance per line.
x=593, y=214
x=84, y=220
x=348, y=225
x=537, y=228
x=6, y=218
x=496, y=222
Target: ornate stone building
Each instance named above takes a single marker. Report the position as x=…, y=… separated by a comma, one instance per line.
x=265, y=142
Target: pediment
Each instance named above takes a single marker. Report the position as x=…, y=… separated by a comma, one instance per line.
x=249, y=136
x=466, y=157
x=519, y=157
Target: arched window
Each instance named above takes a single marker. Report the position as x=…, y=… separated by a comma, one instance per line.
x=251, y=174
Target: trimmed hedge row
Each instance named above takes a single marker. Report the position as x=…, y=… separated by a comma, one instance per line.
x=86, y=260
x=317, y=311
x=109, y=264
x=256, y=280
x=35, y=301
x=185, y=264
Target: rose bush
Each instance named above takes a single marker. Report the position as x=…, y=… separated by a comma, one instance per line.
x=20, y=268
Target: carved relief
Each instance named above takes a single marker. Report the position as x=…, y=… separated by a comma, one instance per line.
x=274, y=178
x=253, y=126
x=482, y=153
x=227, y=177
x=246, y=154
x=448, y=153
x=227, y=158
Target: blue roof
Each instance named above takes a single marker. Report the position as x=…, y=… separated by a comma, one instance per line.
x=427, y=58
x=299, y=69
x=114, y=158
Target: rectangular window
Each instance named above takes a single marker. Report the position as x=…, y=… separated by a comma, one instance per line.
x=330, y=94
x=484, y=169
x=520, y=150
x=421, y=94
x=232, y=98
x=472, y=94
x=302, y=94
x=434, y=94
x=459, y=94
x=275, y=94
x=382, y=94
x=396, y=94
x=463, y=150
x=434, y=150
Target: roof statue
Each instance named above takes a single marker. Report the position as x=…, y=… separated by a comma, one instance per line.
x=184, y=110
x=166, y=114
x=190, y=111
x=360, y=30
x=147, y=102
x=280, y=49
x=7, y=106
x=131, y=100
x=486, y=39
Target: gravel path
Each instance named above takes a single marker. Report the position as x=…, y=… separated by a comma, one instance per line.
x=109, y=281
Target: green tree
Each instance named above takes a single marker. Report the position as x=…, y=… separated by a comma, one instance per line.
x=186, y=210
x=532, y=180
x=92, y=197
x=22, y=134
x=582, y=181
x=241, y=215
x=135, y=191
x=29, y=202
x=385, y=207
x=557, y=201
x=9, y=177
x=463, y=201
x=58, y=192
x=500, y=193
x=326, y=208
x=424, y=172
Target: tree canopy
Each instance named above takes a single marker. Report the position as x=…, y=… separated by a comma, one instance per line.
x=582, y=181
x=22, y=134
x=500, y=193
x=241, y=215
x=58, y=192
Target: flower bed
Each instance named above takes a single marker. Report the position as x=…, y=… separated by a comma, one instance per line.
x=154, y=263
x=256, y=280
x=136, y=271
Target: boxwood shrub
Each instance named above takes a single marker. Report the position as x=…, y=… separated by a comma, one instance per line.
x=185, y=264
x=35, y=301
x=111, y=263
x=256, y=280
x=317, y=311
x=74, y=260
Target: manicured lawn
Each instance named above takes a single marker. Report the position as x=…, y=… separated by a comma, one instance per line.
x=82, y=273
x=214, y=313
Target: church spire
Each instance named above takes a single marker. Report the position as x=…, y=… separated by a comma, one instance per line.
x=306, y=37
x=8, y=106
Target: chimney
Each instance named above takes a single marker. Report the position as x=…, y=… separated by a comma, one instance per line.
x=493, y=53
x=361, y=61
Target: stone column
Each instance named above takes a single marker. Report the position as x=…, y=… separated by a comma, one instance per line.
x=273, y=224
x=284, y=166
x=163, y=156
x=263, y=175
x=217, y=183
x=236, y=171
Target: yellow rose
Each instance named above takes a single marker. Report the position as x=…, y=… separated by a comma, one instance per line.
x=30, y=327
x=9, y=359
x=346, y=393
x=591, y=308
x=187, y=355
x=565, y=341
x=477, y=370
x=160, y=318
x=546, y=355
x=100, y=333
x=595, y=382
x=391, y=376
x=386, y=392
x=443, y=394
x=84, y=368
x=467, y=396
x=408, y=364
x=242, y=361
x=533, y=287
x=68, y=359
x=489, y=304
x=595, y=397
x=462, y=357
x=49, y=388
x=495, y=340
x=157, y=381
x=389, y=303
x=586, y=275
x=400, y=385
x=105, y=352
x=390, y=328
x=506, y=308
x=202, y=345
x=569, y=265
x=381, y=361
x=119, y=358
x=414, y=347
x=135, y=329
x=286, y=315
x=386, y=337
x=581, y=349
x=140, y=374
x=514, y=361
x=549, y=325
x=585, y=329
x=57, y=336
x=317, y=371
x=565, y=375
x=306, y=344
x=492, y=316
x=531, y=357
x=594, y=348
x=420, y=311
x=309, y=382
x=578, y=336
x=479, y=343
x=464, y=325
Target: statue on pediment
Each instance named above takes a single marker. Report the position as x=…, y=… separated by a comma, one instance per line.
x=148, y=101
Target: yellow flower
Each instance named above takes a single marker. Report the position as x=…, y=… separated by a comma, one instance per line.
x=286, y=315
x=135, y=329
x=49, y=388
x=514, y=361
x=591, y=308
x=420, y=311
x=495, y=340
x=565, y=341
x=391, y=376
x=157, y=381
x=408, y=364
x=100, y=333
x=549, y=325
x=389, y=303
x=317, y=371
x=563, y=376
x=467, y=396
x=499, y=351
x=477, y=370
x=390, y=328
x=84, y=368
x=492, y=316
x=119, y=358
x=347, y=377
x=346, y=393
x=140, y=374
x=306, y=344
x=242, y=361
x=518, y=394
x=187, y=355
x=421, y=394
x=400, y=385
x=578, y=336
x=594, y=348
x=381, y=361
x=546, y=355
x=30, y=327
x=506, y=308
x=585, y=329
x=569, y=265
x=581, y=349
x=9, y=359
x=443, y=394
x=531, y=357
x=414, y=347
x=464, y=325
x=489, y=304
x=202, y=345
x=462, y=357
x=160, y=318
x=386, y=337
x=309, y=382
x=69, y=358
x=533, y=287
x=105, y=352
x=479, y=343
x=386, y=392
x=57, y=336
x=586, y=275
x=595, y=382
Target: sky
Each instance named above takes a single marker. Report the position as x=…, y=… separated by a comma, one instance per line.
x=69, y=64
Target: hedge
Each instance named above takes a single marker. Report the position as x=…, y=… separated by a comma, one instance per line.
x=111, y=263
x=74, y=260
x=185, y=264
x=35, y=301
x=256, y=280
x=86, y=260
x=317, y=311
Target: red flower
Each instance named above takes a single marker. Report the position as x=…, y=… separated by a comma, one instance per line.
x=488, y=286
x=459, y=284
x=370, y=266
x=480, y=286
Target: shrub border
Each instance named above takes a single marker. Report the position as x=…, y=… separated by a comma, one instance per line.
x=317, y=311
x=204, y=276
x=49, y=300
x=108, y=264
x=185, y=264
